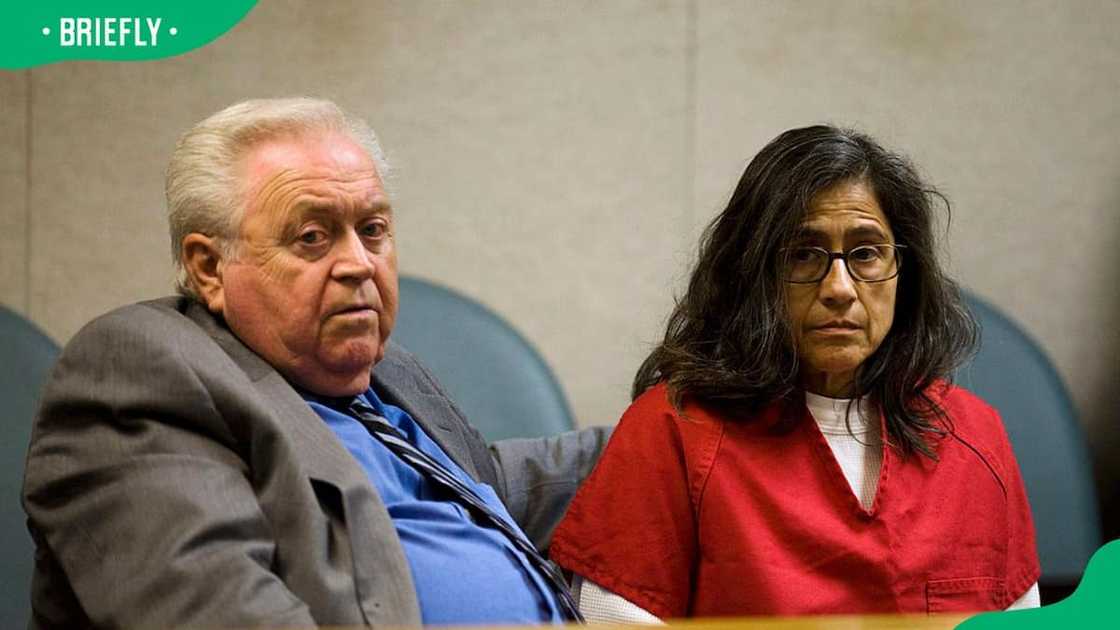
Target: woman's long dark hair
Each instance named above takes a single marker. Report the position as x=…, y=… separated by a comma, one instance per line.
x=728, y=344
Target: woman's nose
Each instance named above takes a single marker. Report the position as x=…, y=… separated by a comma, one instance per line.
x=838, y=286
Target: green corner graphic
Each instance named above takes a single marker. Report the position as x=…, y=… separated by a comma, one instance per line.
x=1090, y=606
x=50, y=31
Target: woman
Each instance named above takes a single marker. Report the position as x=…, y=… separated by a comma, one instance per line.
x=793, y=446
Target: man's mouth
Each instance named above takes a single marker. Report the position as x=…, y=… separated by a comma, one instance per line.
x=354, y=309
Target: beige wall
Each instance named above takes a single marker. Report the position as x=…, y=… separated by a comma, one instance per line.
x=558, y=159
x=13, y=190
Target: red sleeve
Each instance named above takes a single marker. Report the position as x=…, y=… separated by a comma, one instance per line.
x=988, y=434
x=632, y=526
x=1023, y=568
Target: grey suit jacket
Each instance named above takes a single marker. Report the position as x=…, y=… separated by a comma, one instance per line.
x=174, y=478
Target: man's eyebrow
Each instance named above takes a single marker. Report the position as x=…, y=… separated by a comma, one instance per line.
x=312, y=209
x=381, y=206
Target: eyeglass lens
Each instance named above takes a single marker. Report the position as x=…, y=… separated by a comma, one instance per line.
x=868, y=263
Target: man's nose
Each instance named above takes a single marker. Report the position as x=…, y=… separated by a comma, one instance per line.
x=353, y=261
x=837, y=287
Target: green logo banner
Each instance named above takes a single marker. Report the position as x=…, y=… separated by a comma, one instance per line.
x=1092, y=605
x=48, y=31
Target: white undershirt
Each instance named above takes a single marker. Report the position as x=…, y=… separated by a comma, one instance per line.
x=859, y=453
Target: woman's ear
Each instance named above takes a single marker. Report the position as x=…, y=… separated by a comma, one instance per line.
x=202, y=258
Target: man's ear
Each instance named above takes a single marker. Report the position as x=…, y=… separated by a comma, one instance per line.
x=202, y=258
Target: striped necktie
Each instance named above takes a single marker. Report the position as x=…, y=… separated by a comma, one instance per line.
x=435, y=472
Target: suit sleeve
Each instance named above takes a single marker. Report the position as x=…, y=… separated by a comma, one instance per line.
x=538, y=477
x=137, y=497
x=631, y=528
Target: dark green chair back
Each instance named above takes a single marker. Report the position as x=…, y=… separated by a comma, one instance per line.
x=1013, y=374
x=26, y=355
x=491, y=372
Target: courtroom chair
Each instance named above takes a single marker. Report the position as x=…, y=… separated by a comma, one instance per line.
x=26, y=355
x=495, y=376
x=1013, y=374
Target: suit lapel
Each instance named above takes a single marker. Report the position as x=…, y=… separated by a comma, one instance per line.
x=320, y=453
x=319, y=450
x=396, y=383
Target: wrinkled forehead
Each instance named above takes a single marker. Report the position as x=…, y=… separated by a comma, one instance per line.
x=286, y=175
x=322, y=154
x=847, y=208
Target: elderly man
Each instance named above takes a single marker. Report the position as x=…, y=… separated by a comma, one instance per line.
x=254, y=451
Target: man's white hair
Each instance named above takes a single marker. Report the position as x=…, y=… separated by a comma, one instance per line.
x=203, y=184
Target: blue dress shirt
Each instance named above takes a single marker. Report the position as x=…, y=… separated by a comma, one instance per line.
x=464, y=572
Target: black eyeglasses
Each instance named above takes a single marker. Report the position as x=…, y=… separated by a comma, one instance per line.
x=866, y=263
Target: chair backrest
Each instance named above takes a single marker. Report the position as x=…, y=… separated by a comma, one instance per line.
x=26, y=355
x=1012, y=373
x=492, y=373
